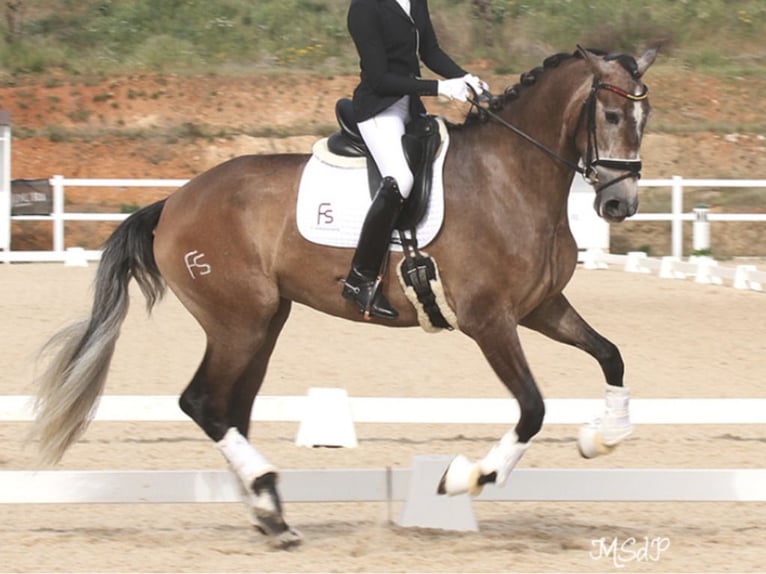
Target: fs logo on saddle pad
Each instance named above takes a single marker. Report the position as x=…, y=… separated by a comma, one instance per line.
x=334, y=196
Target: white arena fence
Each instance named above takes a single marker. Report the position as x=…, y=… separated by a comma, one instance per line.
x=380, y=485
x=702, y=269
x=332, y=404
x=589, y=230
x=415, y=487
x=59, y=216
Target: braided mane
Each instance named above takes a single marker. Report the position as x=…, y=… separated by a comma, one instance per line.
x=529, y=78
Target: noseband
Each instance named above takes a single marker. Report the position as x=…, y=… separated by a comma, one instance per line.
x=631, y=167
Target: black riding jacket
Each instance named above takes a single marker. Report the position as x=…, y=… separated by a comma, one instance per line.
x=389, y=42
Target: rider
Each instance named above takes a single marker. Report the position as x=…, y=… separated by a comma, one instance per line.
x=389, y=36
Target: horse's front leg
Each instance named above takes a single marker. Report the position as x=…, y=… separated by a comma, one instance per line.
x=499, y=341
x=557, y=319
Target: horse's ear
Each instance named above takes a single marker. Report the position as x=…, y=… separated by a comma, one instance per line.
x=594, y=62
x=646, y=60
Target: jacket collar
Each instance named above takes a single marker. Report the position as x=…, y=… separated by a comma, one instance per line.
x=394, y=5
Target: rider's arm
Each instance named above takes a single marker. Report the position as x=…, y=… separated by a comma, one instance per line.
x=432, y=54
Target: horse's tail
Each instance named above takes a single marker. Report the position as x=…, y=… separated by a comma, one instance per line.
x=74, y=379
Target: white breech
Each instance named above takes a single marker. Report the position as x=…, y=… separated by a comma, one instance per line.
x=603, y=434
x=382, y=134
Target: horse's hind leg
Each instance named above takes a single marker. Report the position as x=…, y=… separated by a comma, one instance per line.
x=246, y=389
x=219, y=399
x=263, y=499
x=557, y=319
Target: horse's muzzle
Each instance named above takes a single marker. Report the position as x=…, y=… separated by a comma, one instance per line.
x=616, y=209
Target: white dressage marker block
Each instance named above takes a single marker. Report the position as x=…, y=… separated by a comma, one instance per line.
x=635, y=263
x=668, y=270
x=704, y=274
x=75, y=257
x=424, y=508
x=594, y=259
x=742, y=278
x=327, y=419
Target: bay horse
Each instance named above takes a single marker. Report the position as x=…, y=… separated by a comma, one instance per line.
x=227, y=245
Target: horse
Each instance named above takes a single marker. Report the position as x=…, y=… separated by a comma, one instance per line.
x=227, y=245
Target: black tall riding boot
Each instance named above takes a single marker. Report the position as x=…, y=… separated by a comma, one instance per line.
x=363, y=282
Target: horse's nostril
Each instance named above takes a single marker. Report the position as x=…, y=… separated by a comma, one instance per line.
x=614, y=208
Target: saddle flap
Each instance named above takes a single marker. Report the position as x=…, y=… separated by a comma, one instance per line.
x=421, y=144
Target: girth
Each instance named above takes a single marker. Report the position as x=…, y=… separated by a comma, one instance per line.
x=420, y=143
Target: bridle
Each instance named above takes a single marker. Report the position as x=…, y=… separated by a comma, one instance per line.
x=631, y=167
x=592, y=160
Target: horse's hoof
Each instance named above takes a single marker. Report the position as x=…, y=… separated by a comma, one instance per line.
x=461, y=477
x=270, y=523
x=590, y=443
x=286, y=540
x=280, y=536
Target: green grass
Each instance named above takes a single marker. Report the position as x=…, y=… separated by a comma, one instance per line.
x=170, y=134
x=176, y=36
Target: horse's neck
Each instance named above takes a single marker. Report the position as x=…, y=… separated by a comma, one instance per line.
x=550, y=111
x=523, y=182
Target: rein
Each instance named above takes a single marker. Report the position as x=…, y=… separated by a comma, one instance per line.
x=632, y=167
x=488, y=112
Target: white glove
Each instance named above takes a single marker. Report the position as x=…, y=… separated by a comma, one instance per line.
x=454, y=89
x=476, y=84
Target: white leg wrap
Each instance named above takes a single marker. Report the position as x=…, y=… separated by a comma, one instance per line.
x=503, y=457
x=244, y=458
x=603, y=434
x=462, y=476
x=616, y=423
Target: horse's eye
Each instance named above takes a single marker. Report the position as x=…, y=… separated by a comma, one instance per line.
x=612, y=117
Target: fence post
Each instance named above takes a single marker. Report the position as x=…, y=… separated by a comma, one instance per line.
x=57, y=182
x=678, y=222
x=5, y=181
x=701, y=229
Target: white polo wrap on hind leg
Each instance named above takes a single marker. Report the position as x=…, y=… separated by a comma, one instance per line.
x=603, y=434
x=502, y=458
x=244, y=458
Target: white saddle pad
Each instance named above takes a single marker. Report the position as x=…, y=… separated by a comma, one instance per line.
x=334, y=196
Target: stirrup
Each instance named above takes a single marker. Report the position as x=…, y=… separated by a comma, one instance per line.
x=368, y=296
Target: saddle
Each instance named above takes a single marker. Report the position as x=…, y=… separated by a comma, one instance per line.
x=420, y=142
x=418, y=271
